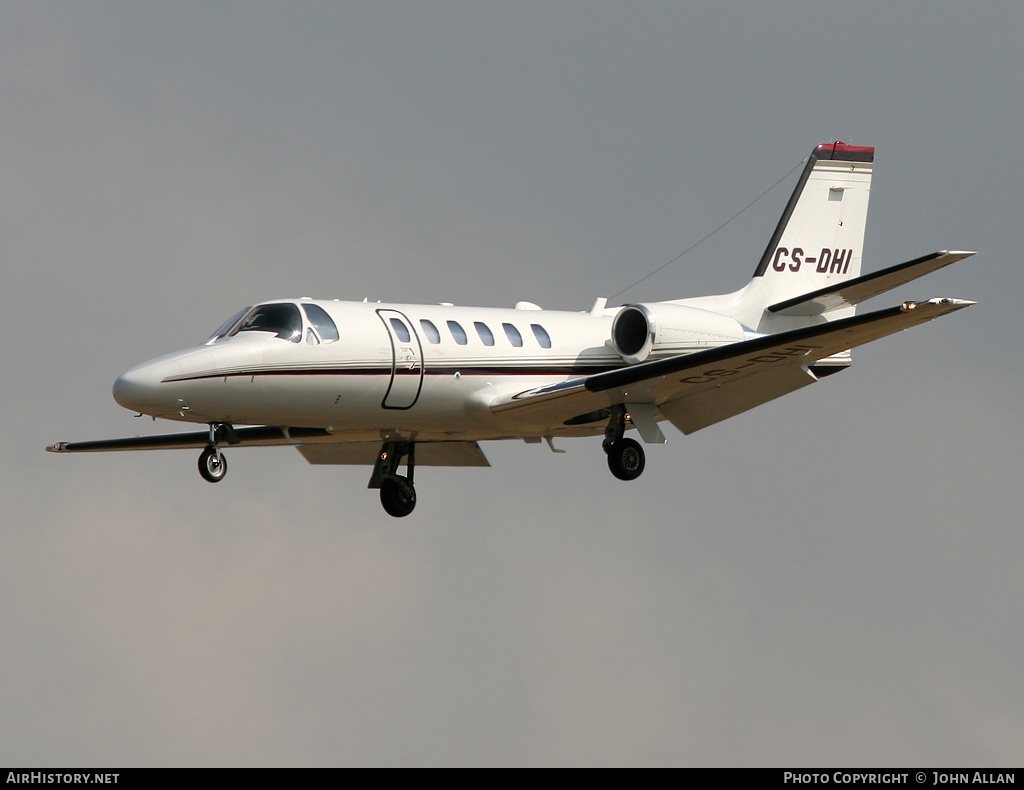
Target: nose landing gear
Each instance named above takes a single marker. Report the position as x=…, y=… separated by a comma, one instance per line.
x=212, y=463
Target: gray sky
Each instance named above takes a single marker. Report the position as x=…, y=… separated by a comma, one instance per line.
x=831, y=579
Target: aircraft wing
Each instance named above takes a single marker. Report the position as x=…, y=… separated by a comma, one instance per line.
x=317, y=446
x=851, y=292
x=260, y=435
x=699, y=389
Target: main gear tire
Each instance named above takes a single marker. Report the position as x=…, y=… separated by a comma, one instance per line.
x=398, y=496
x=626, y=459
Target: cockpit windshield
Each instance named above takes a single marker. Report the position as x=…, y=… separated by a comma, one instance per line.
x=228, y=325
x=284, y=320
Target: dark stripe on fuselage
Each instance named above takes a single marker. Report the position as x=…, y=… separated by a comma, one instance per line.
x=433, y=370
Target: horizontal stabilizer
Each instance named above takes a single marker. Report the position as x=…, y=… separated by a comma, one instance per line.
x=851, y=292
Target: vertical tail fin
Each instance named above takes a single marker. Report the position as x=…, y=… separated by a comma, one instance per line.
x=817, y=243
x=820, y=237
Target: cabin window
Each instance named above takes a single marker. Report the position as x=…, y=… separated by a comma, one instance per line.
x=228, y=325
x=322, y=322
x=458, y=332
x=284, y=320
x=513, y=335
x=542, y=336
x=486, y=336
x=430, y=331
x=401, y=330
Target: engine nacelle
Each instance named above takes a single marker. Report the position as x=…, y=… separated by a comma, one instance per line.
x=642, y=331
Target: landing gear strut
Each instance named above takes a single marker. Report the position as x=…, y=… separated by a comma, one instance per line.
x=626, y=458
x=397, y=492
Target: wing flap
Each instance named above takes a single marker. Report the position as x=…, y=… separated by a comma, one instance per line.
x=851, y=292
x=365, y=453
x=708, y=406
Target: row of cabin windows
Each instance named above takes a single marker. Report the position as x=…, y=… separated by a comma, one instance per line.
x=284, y=320
x=482, y=330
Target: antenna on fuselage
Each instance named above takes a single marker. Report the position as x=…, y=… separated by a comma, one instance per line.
x=712, y=233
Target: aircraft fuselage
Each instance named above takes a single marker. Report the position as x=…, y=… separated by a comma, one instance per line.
x=428, y=369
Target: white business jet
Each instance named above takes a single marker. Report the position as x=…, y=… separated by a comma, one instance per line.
x=393, y=384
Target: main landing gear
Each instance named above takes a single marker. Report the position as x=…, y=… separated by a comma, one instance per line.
x=397, y=492
x=626, y=459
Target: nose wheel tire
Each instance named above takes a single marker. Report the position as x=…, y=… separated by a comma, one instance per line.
x=398, y=496
x=212, y=465
x=626, y=459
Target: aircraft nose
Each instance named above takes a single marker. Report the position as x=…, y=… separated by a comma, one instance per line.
x=134, y=389
x=139, y=388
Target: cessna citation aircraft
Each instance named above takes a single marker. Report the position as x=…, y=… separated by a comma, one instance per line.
x=388, y=385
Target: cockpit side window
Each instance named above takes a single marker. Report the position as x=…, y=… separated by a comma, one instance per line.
x=283, y=320
x=228, y=325
x=322, y=322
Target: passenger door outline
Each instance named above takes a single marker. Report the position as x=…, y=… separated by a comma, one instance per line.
x=406, y=363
